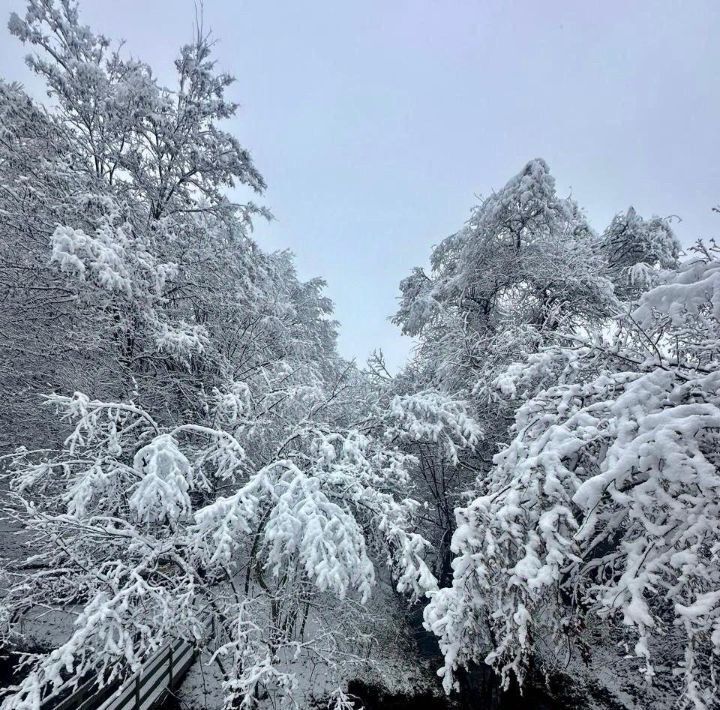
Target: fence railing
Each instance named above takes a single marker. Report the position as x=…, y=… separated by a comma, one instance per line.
x=161, y=673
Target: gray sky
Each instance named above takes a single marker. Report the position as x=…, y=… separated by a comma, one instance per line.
x=376, y=123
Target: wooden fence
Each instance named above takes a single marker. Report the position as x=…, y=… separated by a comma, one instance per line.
x=161, y=673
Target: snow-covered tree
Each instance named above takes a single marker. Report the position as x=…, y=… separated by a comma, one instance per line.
x=524, y=268
x=603, y=509
x=119, y=242
x=524, y=258
x=440, y=433
x=636, y=249
x=167, y=532
x=214, y=466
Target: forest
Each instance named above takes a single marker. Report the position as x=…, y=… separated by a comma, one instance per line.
x=526, y=515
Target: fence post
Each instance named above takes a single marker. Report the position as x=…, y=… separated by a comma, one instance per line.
x=137, y=691
x=170, y=681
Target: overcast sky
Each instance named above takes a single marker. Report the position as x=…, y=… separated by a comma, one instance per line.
x=376, y=123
